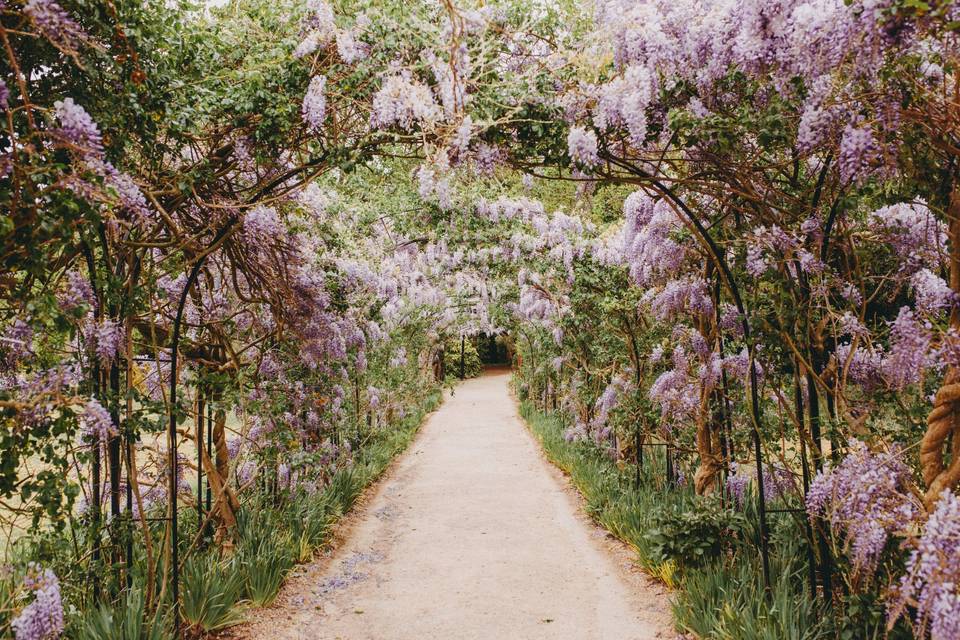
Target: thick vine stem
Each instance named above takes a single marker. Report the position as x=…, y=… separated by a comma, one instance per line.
x=708, y=448
x=943, y=422
x=942, y=425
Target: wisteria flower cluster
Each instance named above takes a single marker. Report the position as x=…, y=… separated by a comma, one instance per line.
x=42, y=619
x=931, y=584
x=865, y=500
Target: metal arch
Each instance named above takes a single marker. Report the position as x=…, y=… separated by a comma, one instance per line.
x=172, y=426
x=751, y=347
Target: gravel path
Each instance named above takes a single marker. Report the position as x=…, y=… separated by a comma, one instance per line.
x=472, y=534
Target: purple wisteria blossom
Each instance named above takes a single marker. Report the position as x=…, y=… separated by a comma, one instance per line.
x=55, y=24
x=262, y=224
x=914, y=233
x=865, y=499
x=77, y=292
x=403, y=101
x=77, y=127
x=42, y=619
x=932, y=580
x=737, y=482
x=909, y=343
x=16, y=343
x=858, y=153
x=104, y=338
x=582, y=145
x=314, y=107
x=96, y=423
x=863, y=368
x=932, y=292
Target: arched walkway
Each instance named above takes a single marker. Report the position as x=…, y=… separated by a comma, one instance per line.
x=473, y=534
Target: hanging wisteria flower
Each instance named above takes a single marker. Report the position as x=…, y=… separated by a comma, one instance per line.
x=909, y=343
x=349, y=48
x=96, y=423
x=914, y=233
x=402, y=102
x=737, y=482
x=321, y=28
x=77, y=127
x=42, y=619
x=314, y=107
x=865, y=499
x=16, y=342
x=858, y=153
x=56, y=24
x=373, y=397
x=399, y=358
x=4, y=95
x=262, y=224
x=684, y=295
x=609, y=400
x=864, y=367
x=932, y=292
x=104, y=338
x=582, y=145
x=932, y=580
x=77, y=292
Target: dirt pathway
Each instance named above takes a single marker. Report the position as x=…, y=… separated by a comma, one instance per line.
x=473, y=534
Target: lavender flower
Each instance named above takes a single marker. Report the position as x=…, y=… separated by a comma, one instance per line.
x=55, y=24
x=349, y=48
x=609, y=400
x=373, y=397
x=402, y=102
x=262, y=224
x=582, y=145
x=96, y=423
x=399, y=358
x=315, y=103
x=909, y=343
x=917, y=237
x=737, y=482
x=77, y=127
x=932, y=292
x=932, y=579
x=858, y=153
x=865, y=499
x=42, y=619
x=684, y=295
x=128, y=193
x=78, y=292
x=16, y=343
x=864, y=368
x=4, y=95
x=104, y=339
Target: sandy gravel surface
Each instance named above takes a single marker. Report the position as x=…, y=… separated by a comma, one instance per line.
x=472, y=534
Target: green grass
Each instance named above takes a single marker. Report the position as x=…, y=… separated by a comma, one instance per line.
x=273, y=535
x=722, y=598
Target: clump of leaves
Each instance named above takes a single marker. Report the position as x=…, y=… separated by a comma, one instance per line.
x=210, y=594
x=265, y=564
x=127, y=621
x=693, y=533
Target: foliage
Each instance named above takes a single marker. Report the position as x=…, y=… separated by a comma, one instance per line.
x=128, y=621
x=211, y=590
x=472, y=366
x=692, y=534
